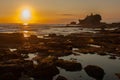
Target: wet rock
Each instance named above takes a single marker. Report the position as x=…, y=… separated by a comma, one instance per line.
x=23, y=51
x=61, y=78
x=48, y=59
x=101, y=53
x=8, y=76
x=25, y=77
x=45, y=69
x=15, y=67
x=14, y=61
x=11, y=40
x=118, y=75
x=95, y=72
x=69, y=65
x=52, y=35
x=112, y=57
x=60, y=52
x=7, y=55
x=42, y=49
x=25, y=55
x=33, y=39
x=59, y=48
x=28, y=67
x=91, y=50
x=73, y=59
x=37, y=58
x=76, y=54
x=8, y=70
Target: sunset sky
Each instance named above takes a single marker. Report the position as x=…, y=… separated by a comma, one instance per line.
x=57, y=11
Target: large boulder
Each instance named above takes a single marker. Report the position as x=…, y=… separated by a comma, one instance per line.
x=45, y=69
x=5, y=55
x=95, y=72
x=69, y=65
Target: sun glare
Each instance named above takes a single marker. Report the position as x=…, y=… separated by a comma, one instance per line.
x=26, y=14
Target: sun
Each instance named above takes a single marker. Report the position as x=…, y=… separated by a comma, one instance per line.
x=26, y=16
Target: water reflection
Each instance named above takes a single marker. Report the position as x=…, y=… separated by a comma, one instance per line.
x=28, y=33
x=12, y=50
x=110, y=66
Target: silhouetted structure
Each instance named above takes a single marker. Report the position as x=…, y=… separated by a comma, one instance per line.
x=91, y=20
x=73, y=23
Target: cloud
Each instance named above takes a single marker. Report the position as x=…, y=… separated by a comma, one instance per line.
x=67, y=14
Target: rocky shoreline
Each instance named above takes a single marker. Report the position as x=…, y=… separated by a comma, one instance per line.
x=48, y=50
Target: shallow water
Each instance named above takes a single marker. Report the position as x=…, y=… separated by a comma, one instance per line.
x=43, y=30
x=110, y=66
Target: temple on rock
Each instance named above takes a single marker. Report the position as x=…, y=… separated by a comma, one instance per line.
x=91, y=20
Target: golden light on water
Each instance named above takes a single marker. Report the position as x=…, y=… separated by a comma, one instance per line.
x=28, y=33
x=25, y=24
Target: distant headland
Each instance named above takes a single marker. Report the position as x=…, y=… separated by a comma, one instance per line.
x=93, y=20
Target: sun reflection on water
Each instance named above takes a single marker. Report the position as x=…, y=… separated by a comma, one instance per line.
x=28, y=33
x=25, y=24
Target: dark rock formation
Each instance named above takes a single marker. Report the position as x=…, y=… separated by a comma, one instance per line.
x=69, y=65
x=112, y=57
x=118, y=75
x=12, y=69
x=5, y=55
x=91, y=20
x=9, y=76
x=61, y=78
x=45, y=71
x=95, y=72
x=73, y=23
x=11, y=39
x=46, y=68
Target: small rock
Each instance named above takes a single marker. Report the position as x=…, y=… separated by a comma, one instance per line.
x=61, y=78
x=112, y=57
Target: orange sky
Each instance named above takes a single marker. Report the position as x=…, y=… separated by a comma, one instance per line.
x=58, y=11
